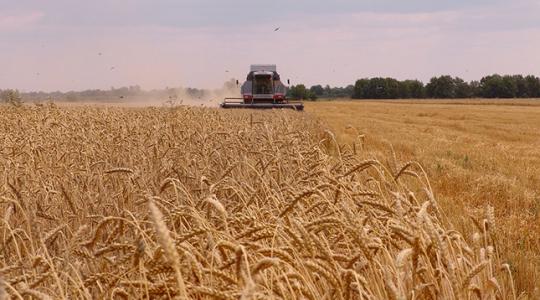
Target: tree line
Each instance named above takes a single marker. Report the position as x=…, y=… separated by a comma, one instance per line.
x=300, y=91
x=442, y=87
x=130, y=93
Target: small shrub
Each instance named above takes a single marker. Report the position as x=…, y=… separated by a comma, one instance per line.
x=11, y=97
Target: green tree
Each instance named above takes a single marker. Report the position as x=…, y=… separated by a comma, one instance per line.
x=300, y=92
x=476, y=90
x=375, y=89
x=338, y=92
x=359, y=88
x=411, y=89
x=416, y=89
x=497, y=86
x=510, y=87
x=317, y=90
x=405, y=89
x=392, y=88
x=382, y=88
x=462, y=89
x=348, y=91
x=533, y=86
x=491, y=86
x=327, y=90
x=522, y=90
x=441, y=87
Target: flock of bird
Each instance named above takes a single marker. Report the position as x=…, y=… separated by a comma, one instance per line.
x=112, y=68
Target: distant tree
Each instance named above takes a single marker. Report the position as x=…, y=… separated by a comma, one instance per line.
x=376, y=88
x=11, y=97
x=491, y=86
x=497, y=86
x=405, y=89
x=343, y=92
x=135, y=89
x=327, y=90
x=317, y=90
x=337, y=92
x=392, y=88
x=359, y=88
x=71, y=97
x=300, y=92
x=416, y=89
x=411, y=89
x=510, y=87
x=476, y=90
x=441, y=87
x=521, y=88
x=348, y=91
x=387, y=88
x=533, y=86
x=462, y=89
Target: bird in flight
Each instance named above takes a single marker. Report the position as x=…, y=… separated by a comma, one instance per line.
x=112, y=68
x=277, y=29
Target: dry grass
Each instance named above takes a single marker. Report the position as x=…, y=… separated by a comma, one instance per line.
x=477, y=153
x=112, y=203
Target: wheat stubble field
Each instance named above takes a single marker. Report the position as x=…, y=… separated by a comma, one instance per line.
x=195, y=203
x=477, y=153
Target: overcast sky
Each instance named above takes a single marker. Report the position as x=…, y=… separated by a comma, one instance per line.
x=72, y=45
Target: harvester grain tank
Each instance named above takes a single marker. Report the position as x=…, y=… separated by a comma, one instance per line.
x=263, y=89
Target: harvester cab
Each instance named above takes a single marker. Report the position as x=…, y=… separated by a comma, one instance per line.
x=263, y=89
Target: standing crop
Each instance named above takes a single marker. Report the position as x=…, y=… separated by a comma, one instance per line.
x=207, y=204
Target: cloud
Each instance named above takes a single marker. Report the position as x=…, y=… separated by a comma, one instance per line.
x=203, y=13
x=20, y=21
x=192, y=42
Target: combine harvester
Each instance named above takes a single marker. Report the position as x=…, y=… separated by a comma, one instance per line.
x=263, y=89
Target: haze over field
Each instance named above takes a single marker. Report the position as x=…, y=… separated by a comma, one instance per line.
x=74, y=45
x=124, y=173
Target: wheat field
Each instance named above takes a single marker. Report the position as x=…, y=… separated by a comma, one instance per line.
x=200, y=203
x=477, y=153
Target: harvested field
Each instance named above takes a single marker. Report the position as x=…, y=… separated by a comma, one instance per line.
x=477, y=153
x=102, y=203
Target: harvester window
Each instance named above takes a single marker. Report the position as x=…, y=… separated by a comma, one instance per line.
x=263, y=85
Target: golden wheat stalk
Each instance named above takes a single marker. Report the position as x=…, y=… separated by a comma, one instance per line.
x=167, y=244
